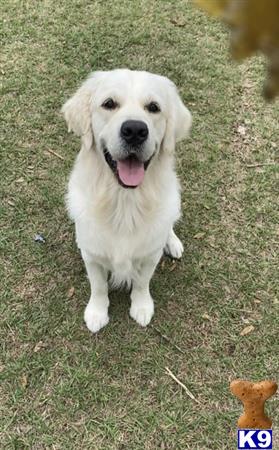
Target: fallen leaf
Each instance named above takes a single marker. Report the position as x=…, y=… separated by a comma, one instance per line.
x=24, y=381
x=247, y=330
x=199, y=235
x=71, y=292
x=178, y=22
x=257, y=301
x=10, y=203
x=206, y=316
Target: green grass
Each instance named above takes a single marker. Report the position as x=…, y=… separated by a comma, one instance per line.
x=61, y=387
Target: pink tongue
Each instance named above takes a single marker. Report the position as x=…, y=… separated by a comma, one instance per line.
x=130, y=171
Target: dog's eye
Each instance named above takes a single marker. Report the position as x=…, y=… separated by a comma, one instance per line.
x=109, y=103
x=153, y=107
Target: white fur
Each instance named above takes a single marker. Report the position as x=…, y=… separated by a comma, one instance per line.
x=120, y=231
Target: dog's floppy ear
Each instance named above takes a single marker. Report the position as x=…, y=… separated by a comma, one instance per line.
x=77, y=111
x=179, y=120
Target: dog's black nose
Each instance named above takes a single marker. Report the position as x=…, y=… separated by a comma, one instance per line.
x=134, y=132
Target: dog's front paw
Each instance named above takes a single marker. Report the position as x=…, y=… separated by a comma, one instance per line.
x=142, y=312
x=174, y=247
x=95, y=318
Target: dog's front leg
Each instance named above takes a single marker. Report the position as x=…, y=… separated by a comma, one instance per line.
x=142, y=305
x=96, y=311
x=174, y=246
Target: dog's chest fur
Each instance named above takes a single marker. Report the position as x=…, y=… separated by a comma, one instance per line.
x=121, y=227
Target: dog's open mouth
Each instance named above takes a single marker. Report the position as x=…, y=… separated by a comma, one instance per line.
x=129, y=171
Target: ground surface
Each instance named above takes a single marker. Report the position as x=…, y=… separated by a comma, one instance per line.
x=61, y=387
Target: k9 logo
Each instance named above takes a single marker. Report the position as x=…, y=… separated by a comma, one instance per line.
x=254, y=439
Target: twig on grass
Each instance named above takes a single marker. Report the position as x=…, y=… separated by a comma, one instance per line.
x=250, y=166
x=169, y=372
x=55, y=154
x=168, y=340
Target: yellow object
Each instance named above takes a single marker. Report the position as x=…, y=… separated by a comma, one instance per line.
x=254, y=26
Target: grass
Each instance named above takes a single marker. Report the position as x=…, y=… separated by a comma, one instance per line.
x=61, y=387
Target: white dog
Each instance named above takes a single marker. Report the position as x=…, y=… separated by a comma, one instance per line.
x=123, y=192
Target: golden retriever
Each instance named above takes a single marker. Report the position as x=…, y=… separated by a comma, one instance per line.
x=123, y=193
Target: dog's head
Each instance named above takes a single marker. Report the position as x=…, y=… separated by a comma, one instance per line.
x=131, y=117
